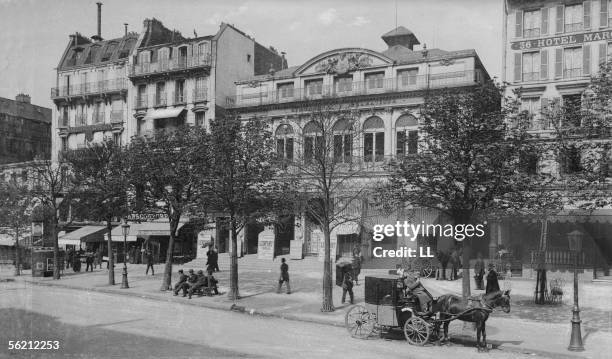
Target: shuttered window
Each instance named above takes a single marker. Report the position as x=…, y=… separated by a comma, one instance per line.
x=544, y=30
x=587, y=14
x=519, y=24
x=559, y=18
x=531, y=66
x=586, y=60
x=517, y=67
x=558, y=63
x=544, y=64
x=574, y=17
x=572, y=62
x=532, y=22
x=603, y=13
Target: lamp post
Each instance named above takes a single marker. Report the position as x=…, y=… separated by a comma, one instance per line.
x=575, y=244
x=125, y=227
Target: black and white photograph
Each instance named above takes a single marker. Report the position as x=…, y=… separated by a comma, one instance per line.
x=306, y=179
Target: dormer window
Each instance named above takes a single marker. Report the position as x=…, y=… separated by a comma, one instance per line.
x=108, y=52
x=285, y=90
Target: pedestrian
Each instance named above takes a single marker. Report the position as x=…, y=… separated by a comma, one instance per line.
x=212, y=258
x=479, y=271
x=215, y=259
x=70, y=257
x=89, y=259
x=149, y=261
x=212, y=282
x=442, y=264
x=99, y=256
x=454, y=260
x=492, y=282
x=179, y=284
x=347, y=286
x=284, y=277
x=356, y=263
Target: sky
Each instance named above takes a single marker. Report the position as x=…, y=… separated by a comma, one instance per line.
x=34, y=33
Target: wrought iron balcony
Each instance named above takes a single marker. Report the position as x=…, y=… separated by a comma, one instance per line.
x=200, y=95
x=141, y=102
x=179, y=98
x=169, y=65
x=90, y=88
x=374, y=86
x=161, y=100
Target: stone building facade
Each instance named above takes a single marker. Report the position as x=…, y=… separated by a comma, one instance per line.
x=384, y=90
x=551, y=49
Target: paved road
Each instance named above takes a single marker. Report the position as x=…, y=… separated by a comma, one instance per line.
x=94, y=325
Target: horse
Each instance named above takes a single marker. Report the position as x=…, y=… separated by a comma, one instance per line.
x=449, y=305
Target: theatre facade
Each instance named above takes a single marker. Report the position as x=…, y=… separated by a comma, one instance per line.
x=384, y=90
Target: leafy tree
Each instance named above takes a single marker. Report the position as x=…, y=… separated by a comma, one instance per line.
x=328, y=168
x=16, y=206
x=100, y=187
x=240, y=170
x=471, y=142
x=163, y=174
x=54, y=191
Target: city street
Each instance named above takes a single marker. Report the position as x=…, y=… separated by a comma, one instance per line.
x=89, y=324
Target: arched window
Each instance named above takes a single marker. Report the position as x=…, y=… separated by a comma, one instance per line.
x=284, y=142
x=313, y=141
x=373, y=139
x=407, y=131
x=343, y=141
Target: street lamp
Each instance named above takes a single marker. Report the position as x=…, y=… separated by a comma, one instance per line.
x=125, y=227
x=575, y=245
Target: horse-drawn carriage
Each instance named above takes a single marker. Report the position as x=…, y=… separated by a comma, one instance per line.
x=387, y=307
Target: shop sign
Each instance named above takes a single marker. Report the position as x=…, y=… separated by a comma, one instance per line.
x=562, y=40
x=265, y=245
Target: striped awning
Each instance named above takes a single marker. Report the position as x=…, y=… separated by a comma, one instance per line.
x=86, y=234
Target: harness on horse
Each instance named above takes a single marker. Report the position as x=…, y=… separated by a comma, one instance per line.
x=479, y=299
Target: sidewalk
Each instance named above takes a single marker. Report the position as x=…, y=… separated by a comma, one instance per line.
x=528, y=328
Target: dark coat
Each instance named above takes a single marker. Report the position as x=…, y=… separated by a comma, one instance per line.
x=492, y=283
x=284, y=268
x=479, y=267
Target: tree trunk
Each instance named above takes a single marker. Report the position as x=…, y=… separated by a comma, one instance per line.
x=541, y=271
x=328, y=293
x=56, y=269
x=111, y=257
x=233, y=293
x=465, y=259
x=17, y=256
x=167, y=280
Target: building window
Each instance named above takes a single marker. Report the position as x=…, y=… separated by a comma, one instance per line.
x=141, y=101
x=153, y=56
x=64, y=120
x=108, y=52
x=285, y=90
x=249, y=58
x=572, y=62
x=407, y=135
x=375, y=81
x=284, y=142
x=179, y=91
x=373, y=140
x=98, y=115
x=569, y=160
x=313, y=141
x=140, y=124
x=344, y=84
x=314, y=87
x=531, y=66
x=199, y=117
x=407, y=78
x=200, y=89
x=117, y=139
x=343, y=141
x=64, y=143
x=532, y=21
x=573, y=18
x=532, y=106
x=160, y=94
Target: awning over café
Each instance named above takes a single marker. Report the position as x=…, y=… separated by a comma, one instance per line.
x=142, y=230
x=164, y=113
x=85, y=234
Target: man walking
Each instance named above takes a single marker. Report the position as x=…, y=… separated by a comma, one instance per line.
x=89, y=259
x=479, y=271
x=284, y=277
x=149, y=259
x=492, y=283
x=213, y=259
x=347, y=286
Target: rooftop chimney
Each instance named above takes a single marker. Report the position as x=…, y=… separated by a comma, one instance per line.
x=22, y=98
x=125, y=24
x=98, y=37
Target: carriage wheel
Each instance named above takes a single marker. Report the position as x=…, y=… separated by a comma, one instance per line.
x=417, y=331
x=359, y=322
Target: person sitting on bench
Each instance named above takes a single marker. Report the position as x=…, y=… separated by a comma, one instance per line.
x=192, y=279
x=201, y=282
x=414, y=286
x=181, y=281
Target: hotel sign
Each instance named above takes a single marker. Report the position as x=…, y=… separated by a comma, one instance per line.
x=562, y=40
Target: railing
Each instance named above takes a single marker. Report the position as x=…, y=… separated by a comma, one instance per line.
x=394, y=84
x=81, y=119
x=559, y=257
x=141, y=102
x=98, y=117
x=531, y=76
x=577, y=26
x=160, y=99
x=180, y=63
x=116, y=116
x=90, y=88
x=179, y=98
x=199, y=95
x=63, y=121
x=535, y=32
x=572, y=73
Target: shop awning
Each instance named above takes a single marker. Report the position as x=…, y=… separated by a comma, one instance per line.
x=143, y=229
x=164, y=113
x=582, y=216
x=62, y=242
x=86, y=234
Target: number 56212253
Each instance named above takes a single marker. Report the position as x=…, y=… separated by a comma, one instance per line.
x=33, y=345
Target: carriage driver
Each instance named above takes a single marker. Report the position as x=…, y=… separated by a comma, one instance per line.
x=414, y=285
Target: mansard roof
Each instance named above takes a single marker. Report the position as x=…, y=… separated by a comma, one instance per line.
x=82, y=52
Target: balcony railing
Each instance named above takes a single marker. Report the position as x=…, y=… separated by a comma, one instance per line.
x=180, y=63
x=141, y=102
x=531, y=76
x=81, y=119
x=116, y=116
x=63, y=121
x=394, y=84
x=98, y=117
x=573, y=27
x=535, y=32
x=90, y=88
x=572, y=73
x=199, y=95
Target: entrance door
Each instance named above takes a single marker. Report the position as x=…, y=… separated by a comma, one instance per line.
x=346, y=243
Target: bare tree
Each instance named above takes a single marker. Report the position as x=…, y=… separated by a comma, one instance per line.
x=16, y=204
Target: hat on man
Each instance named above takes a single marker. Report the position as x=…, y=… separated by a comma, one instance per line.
x=191, y=271
x=200, y=272
x=491, y=265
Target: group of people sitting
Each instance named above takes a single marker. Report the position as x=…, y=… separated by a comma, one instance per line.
x=196, y=283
